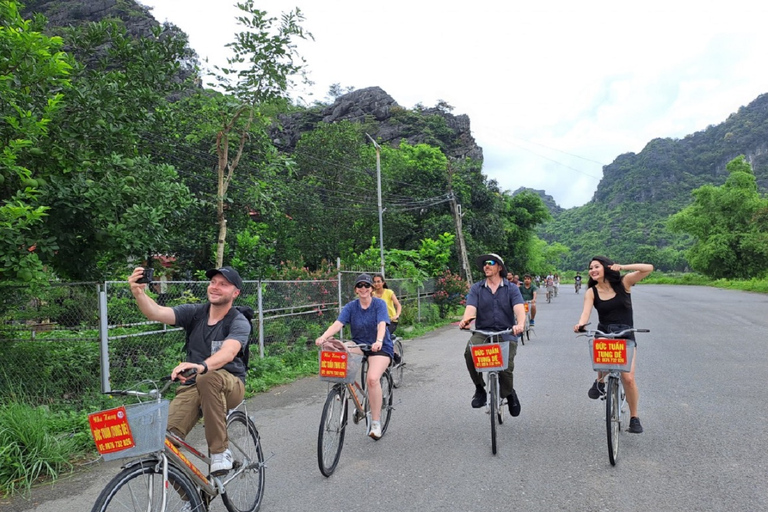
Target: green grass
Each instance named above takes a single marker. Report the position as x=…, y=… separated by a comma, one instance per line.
x=36, y=443
x=748, y=285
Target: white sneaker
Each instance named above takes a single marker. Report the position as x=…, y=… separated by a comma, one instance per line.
x=187, y=507
x=375, y=430
x=221, y=461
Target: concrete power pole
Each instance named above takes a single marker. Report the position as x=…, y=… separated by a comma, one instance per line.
x=466, y=270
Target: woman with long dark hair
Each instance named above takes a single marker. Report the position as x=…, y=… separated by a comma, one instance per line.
x=609, y=293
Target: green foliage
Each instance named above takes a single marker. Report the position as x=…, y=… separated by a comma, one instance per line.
x=33, y=73
x=730, y=241
x=450, y=292
x=35, y=443
x=282, y=364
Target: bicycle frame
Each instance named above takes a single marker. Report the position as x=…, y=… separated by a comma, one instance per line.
x=172, y=456
x=610, y=362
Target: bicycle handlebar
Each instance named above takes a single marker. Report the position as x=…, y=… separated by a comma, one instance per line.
x=595, y=333
x=493, y=333
x=153, y=393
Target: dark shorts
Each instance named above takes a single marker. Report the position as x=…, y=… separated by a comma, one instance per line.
x=378, y=354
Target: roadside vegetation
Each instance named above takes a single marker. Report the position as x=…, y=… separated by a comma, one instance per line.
x=39, y=444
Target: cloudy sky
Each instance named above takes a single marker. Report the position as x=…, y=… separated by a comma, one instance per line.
x=554, y=89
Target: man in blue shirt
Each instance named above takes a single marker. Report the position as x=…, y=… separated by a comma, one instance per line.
x=495, y=304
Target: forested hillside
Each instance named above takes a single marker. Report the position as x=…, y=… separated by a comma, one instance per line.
x=626, y=218
x=127, y=154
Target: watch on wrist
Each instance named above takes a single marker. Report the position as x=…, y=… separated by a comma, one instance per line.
x=379, y=341
x=205, y=368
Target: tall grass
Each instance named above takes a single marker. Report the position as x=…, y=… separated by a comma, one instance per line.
x=33, y=447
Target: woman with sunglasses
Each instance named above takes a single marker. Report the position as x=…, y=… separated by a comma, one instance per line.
x=367, y=318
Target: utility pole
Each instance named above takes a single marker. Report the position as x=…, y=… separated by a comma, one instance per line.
x=381, y=211
x=456, y=210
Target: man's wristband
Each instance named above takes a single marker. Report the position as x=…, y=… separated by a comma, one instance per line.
x=205, y=368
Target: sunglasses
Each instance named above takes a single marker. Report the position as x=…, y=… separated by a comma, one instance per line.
x=490, y=262
x=362, y=285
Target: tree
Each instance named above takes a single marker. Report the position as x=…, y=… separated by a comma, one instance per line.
x=33, y=73
x=109, y=201
x=731, y=239
x=261, y=70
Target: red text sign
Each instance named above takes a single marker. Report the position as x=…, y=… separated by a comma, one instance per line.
x=605, y=351
x=110, y=430
x=333, y=364
x=487, y=356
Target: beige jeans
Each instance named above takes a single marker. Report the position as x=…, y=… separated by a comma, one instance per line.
x=213, y=394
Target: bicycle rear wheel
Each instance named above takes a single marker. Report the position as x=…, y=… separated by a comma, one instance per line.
x=397, y=365
x=140, y=488
x=386, y=400
x=333, y=423
x=244, y=492
x=493, y=396
x=613, y=417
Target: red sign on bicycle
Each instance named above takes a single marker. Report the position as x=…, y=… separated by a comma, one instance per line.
x=110, y=430
x=609, y=351
x=487, y=356
x=333, y=364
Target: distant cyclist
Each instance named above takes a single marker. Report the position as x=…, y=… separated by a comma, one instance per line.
x=529, y=291
x=549, y=282
x=577, y=282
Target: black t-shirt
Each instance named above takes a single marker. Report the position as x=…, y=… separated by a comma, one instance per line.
x=614, y=314
x=205, y=340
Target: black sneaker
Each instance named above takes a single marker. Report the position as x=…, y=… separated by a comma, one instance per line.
x=597, y=390
x=514, y=404
x=634, y=425
x=479, y=399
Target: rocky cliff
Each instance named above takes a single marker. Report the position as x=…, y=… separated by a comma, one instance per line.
x=391, y=123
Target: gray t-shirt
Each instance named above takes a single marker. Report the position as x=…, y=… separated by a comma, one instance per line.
x=205, y=340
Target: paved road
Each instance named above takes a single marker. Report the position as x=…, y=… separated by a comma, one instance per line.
x=703, y=379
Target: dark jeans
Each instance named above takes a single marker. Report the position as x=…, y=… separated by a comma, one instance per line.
x=505, y=376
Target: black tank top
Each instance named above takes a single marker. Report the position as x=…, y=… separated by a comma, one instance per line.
x=616, y=311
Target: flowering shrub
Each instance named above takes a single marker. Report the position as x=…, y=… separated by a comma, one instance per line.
x=450, y=292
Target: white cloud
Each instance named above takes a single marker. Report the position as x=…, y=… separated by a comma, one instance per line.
x=540, y=82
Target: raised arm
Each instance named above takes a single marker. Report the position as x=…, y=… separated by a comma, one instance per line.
x=638, y=272
x=149, y=308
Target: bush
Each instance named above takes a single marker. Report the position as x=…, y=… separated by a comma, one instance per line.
x=450, y=292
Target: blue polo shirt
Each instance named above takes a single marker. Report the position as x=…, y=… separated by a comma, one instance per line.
x=494, y=310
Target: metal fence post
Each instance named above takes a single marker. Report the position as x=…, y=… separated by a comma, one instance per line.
x=418, y=303
x=338, y=278
x=104, y=340
x=261, y=321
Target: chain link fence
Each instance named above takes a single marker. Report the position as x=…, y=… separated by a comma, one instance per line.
x=62, y=342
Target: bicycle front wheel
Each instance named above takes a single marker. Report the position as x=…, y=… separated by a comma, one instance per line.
x=398, y=365
x=613, y=417
x=246, y=490
x=140, y=488
x=333, y=423
x=493, y=384
x=386, y=401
